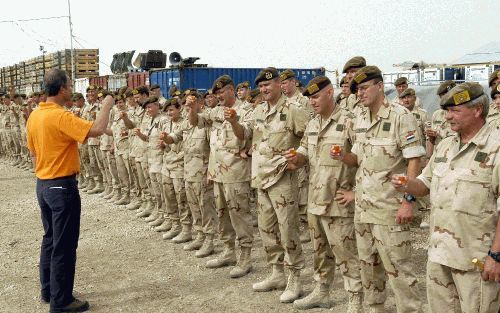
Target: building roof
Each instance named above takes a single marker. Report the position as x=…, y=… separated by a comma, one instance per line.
x=489, y=53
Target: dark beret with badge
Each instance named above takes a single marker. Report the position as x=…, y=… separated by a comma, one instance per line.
x=91, y=88
x=266, y=74
x=209, y=92
x=222, y=82
x=287, y=74
x=143, y=90
x=365, y=74
x=407, y=92
x=154, y=86
x=343, y=81
x=401, y=81
x=253, y=94
x=315, y=85
x=103, y=93
x=495, y=91
x=493, y=76
x=151, y=100
x=445, y=86
x=355, y=62
x=77, y=96
x=245, y=84
x=461, y=94
x=172, y=101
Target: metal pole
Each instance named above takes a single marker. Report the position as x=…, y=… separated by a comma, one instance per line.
x=71, y=43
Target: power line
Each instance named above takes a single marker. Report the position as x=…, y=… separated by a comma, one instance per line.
x=35, y=19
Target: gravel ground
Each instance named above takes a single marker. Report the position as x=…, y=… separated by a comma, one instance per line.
x=124, y=266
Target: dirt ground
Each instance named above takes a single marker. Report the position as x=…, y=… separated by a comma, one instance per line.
x=124, y=266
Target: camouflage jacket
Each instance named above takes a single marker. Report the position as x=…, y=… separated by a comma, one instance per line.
x=326, y=174
x=464, y=189
x=274, y=130
x=173, y=157
x=120, y=134
x=382, y=147
x=152, y=127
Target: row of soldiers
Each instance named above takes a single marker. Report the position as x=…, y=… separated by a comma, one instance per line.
x=191, y=165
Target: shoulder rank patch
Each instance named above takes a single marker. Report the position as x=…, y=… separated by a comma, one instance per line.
x=480, y=157
x=312, y=133
x=282, y=117
x=440, y=159
x=360, y=130
x=340, y=127
x=386, y=127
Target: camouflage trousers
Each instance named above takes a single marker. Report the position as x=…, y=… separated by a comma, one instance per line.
x=84, y=160
x=385, y=251
x=144, y=172
x=112, y=171
x=454, y=291
x=200, y=200
x=124, y=171
x=334, y=242
x=232, y=202
x=95, y=162
x=278, y=219
x=302, y=179
x=175, y=198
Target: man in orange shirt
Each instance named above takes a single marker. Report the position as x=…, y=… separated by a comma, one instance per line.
x=53, y=134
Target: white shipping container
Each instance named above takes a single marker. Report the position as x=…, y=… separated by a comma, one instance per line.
x=115, y=82
x=477, y=73
x=432, y=74
x=81, y=85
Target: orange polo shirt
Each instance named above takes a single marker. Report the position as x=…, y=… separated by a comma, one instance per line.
x=53, y=135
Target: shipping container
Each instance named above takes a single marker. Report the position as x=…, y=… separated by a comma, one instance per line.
x=117, y=81
x=477, y=73
x=136, y=79
x=101, y=81
x=202, y=78
x=81, y=85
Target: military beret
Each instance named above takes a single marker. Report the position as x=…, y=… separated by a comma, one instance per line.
x=461, y=94
x=140, y=90
x=152, y=99
x=365, y=74
x=407, y=92
x=245, y=84
x=209, y=92
x=401, y=81
x=495, y=91
x=177, y=93
x=253, y=94
x=91, y=87
x=189, y=91
x=221, y=82
x=286, y=74
x=120, y=97
x=445, y=86
x=154, y=86
x=493, y=76
x=315, y=85
x=128, y=93
x=355, y=62
x=77, y=96
x=343, y=81
x=266, y=74
x=172, y=90
x=103, y=93
x=172, y=101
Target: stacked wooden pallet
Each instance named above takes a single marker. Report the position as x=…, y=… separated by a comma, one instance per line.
x=31, y=72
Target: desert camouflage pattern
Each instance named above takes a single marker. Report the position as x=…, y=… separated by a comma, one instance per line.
x=440, y=124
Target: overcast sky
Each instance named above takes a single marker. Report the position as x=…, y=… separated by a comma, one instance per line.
x=257, y=33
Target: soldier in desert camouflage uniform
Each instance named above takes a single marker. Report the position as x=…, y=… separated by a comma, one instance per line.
x=330, y=211
x=386, y=143
x=276, y=125
x=463, y=178
x=440, y=127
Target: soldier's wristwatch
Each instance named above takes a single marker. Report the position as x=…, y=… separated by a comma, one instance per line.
x=409, y=198
x=494, y=255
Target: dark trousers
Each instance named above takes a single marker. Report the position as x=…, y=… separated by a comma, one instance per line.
x=60, y=207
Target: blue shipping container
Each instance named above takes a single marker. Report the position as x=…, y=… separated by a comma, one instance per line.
x=202, y=78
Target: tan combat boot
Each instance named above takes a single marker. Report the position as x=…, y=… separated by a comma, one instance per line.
x=376, y=308
x=158, y=221
x=293, y=287
x=148, y=209
x=97, y=189
x=108, y=192
x=185, y=234
x=153, y=216
x=244, y=265
x=275, y=281
x=355, y=303
x=125, y=199
x=207, y=248
x=134, y=205
x=227, y=258
x=318, y=298
x=116, y=195
x=165, y=226
x=90, y=185
x=174, y=231
x=196, y=243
